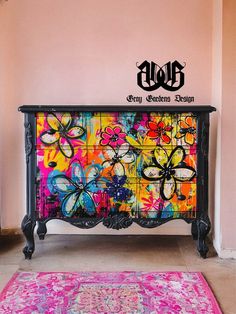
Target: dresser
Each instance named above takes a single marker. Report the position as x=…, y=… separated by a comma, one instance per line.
x=116, y=165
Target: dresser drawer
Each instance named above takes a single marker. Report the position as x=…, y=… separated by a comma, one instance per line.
x=59, y=198
x=82, y=129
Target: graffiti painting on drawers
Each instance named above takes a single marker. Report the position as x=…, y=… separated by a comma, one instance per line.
x=94, y=164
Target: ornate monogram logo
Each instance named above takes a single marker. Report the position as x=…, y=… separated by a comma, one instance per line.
x=152, y=76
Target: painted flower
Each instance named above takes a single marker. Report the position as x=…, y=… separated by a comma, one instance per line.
x=187, y=129
x=76, y=192
x=144, y=144
x=102, y=202
x=112, y=136
x=152, y=203
x=115, y=189
x=158, y=130
x=152, y=206
x=168, y=169
x=116, y=158
x=61, y=131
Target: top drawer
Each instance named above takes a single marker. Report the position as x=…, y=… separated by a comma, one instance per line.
x=67, y=132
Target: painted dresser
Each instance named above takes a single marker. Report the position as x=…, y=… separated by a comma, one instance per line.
x=116, y=165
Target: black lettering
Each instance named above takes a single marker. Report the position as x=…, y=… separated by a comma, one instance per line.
x=132, y=98
x=188, y=99
x=178, y=98
x=147, y=76
x=152, y=76
x=149, y=98
x=129, y=98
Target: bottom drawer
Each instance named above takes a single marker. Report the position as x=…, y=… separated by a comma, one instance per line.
x=59, y=199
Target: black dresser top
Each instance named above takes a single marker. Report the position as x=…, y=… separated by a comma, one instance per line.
x=115, y=108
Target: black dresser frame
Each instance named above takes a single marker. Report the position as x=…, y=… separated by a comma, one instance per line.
x=200, y=225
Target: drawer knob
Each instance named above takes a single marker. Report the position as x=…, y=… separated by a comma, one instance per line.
x=51, y=198
x=52, y=164
x=51, y=131
x=181, y=197
x=182, y=164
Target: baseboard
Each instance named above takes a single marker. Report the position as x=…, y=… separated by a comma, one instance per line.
x=224, y=253
x=11, y=231
x=227, y=253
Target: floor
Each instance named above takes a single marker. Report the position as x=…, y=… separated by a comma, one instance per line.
x=119, y=253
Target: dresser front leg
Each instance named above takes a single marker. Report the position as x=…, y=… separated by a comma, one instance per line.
x=42, y=230
x=203, y=227
x=27, y=227
x=194, y=230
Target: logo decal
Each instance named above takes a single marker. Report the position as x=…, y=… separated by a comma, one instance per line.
x=152, y=76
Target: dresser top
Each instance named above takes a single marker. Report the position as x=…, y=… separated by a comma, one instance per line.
x=115, y=108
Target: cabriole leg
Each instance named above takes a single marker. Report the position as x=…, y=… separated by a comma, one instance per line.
x=42, y=230
x=194, y=230
x=27, y=227
x=203, y=227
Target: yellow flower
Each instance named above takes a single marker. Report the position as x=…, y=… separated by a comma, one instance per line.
x=61, y=131
x=146, y=145
x=168, y=169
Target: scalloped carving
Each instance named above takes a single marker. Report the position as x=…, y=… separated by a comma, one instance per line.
x=119, y=221
x=152, y=223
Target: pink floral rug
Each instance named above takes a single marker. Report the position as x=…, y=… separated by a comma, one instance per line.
x=105, y=293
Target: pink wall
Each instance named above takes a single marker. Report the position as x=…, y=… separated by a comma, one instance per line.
x=85, y=51
x=228, y=148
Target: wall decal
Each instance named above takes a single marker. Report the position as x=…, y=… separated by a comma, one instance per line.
x=170, y=76
x=151, y=77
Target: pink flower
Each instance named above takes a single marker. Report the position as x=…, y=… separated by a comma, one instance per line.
x=152, y=203
x=102, y=202
x=112, y=136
